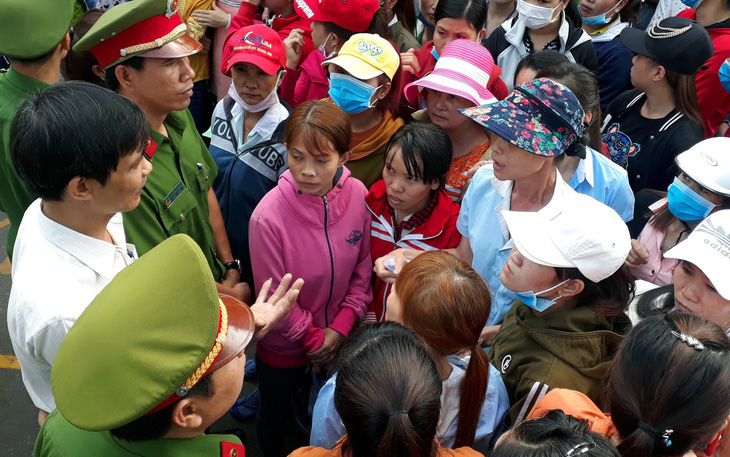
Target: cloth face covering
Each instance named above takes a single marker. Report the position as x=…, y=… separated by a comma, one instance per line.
x=351, y=94
x=686, y=204
x=536, y=17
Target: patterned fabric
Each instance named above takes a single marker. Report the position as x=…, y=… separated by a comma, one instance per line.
x=412, y=221
x=456, y=176
x=553, y=44
x=542, y=117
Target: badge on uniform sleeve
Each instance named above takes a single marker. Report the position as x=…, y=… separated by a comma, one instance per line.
x=174, y=193
x=229, y=449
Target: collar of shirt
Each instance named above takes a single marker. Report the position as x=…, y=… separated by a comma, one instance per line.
x=264, y=128
x=414, y=220
x=584, y=171
x=609, y=32
x=97, y=254
x=22, y=82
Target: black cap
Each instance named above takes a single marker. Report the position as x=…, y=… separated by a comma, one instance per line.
x=676, y=43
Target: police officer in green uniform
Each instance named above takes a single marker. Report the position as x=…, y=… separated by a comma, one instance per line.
x=34, y=37
x=133, y=378
x=143, y=47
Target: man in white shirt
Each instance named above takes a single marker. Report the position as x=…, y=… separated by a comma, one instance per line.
x=81, y=148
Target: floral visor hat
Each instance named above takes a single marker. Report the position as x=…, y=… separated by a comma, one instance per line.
x=542, y=117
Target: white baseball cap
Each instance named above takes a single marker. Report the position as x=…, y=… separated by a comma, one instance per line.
x=585, y=234
x=708, y=247
x=708, y=164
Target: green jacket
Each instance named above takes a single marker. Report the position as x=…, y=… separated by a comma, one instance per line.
x=404, y=40
x=569, y=350
x=14, y=195
x=58, y=438
x=175, y=198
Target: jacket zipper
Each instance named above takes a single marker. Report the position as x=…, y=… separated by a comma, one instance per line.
x=332, y=263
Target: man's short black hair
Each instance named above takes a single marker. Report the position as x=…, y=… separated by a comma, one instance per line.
x=157, y=424
x=110, y=76
x=73, y=129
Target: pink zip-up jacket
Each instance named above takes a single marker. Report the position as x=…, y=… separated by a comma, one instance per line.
x=325, y=241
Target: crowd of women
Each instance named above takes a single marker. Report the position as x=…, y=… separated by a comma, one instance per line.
x=498, y=182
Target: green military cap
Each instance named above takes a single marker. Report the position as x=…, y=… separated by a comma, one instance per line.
x=32, y=28
x=150, y=27
x=147, y=338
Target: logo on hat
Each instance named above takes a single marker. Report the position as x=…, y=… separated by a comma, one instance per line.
x=721, y=241
x=364, y=47
x=708, y=158
x=171, y=8
x=305, y=8
x=255, y=39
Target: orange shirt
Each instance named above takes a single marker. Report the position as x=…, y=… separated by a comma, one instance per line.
x=456, y=176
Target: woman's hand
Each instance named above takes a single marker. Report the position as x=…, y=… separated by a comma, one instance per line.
x=388, y=266
x=267, y=313
x=409, y=62
x=293, y=44
x=487, y=336
x=327, y=353
x=638, y=255
x=216, y=17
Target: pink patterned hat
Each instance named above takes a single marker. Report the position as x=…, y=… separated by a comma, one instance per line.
x=463, y=69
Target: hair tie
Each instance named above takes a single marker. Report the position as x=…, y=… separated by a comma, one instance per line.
x=690, y=341
x=663, y=437
x=580, y=449
x=397, y=413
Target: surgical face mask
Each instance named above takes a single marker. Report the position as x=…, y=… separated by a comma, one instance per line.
x=536, y=17
x=686, y=204
x=692, y=3
x=426, y=24
x=539, y=304
x=600, y=19
x=434, y=53
x=725, y=75
x=271, y=100
x=322, y=50
x=351, y=94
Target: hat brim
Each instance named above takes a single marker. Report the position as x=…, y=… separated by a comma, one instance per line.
x=183, y=46
x=449, y=86
x=702, y=255
x=266, y=65
x=491, y=117
x=633, y=39
x=241, y=328
x=356, y=67
x=529, y=231
x=697, y=171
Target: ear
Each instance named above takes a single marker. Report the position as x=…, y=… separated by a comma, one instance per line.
x=185, y=414
x=125, y=77
x=588, y=118
x=572, y=288
x=344, y=158
x=389, y=4
x=383, y=91
x=659, y=73
x=66, y=42
x=80, y=189
x=435, y=185
x=98, y=71
x=281, y=78
x=480, y=35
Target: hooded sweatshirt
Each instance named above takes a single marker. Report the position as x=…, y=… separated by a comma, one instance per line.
x=325, y=241
x=572, y=349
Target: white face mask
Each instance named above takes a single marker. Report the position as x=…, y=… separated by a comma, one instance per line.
x=323, y=50
x=536, y=17
x=271, y=100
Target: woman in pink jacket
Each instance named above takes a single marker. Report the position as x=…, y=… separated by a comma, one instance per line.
x=313, y=224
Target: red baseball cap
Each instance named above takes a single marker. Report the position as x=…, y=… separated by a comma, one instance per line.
x=256, y=44
x=352, y=15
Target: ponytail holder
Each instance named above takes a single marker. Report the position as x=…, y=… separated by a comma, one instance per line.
x=397, y=413
x=578, y=147
x=663, y=437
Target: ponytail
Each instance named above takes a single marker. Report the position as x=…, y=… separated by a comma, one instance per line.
x=685, y=95
x=445, y=302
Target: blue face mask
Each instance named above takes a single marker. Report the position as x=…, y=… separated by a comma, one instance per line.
x=434, y=53
x=351, y=94
x=725, y=75
x=600, y=19
x=692, y=3
x=540, y=304
x=686, y=204
x=426, y=24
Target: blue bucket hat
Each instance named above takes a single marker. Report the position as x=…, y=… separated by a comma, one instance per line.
x=542, y=117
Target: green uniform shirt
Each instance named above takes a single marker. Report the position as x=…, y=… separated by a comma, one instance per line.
x=58, y=438
x=14, y=195
x=175, y=198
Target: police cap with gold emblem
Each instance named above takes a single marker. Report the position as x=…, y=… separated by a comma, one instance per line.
x=32, y=28
x=147, y=338
x=149, y=27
